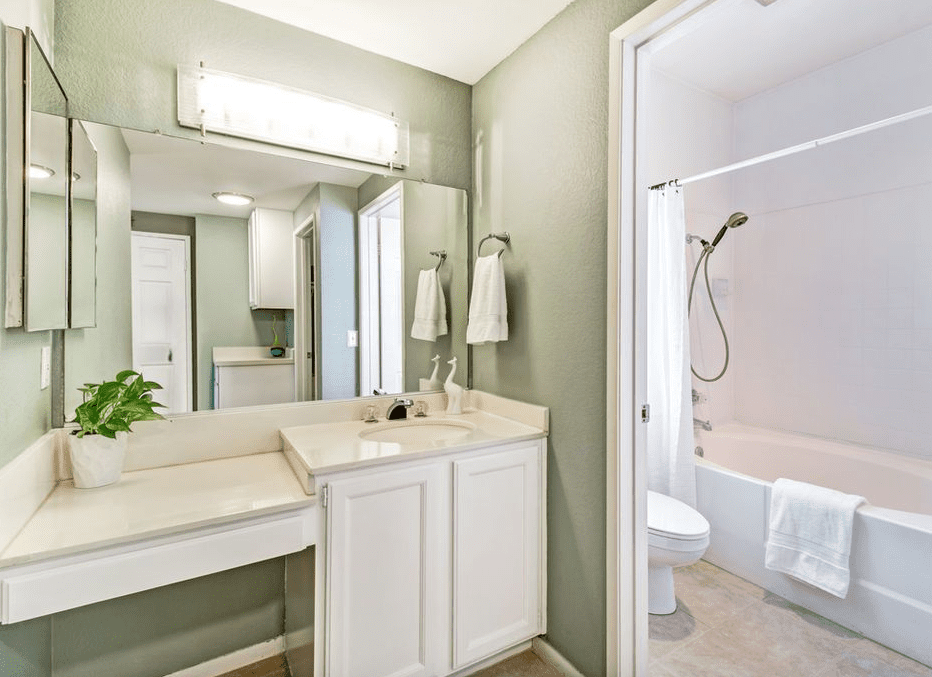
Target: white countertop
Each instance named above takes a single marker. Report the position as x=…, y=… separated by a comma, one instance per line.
x=157, y=502
x=338, y=446
x=244, y=356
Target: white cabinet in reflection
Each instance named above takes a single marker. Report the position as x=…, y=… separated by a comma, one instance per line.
x=247, y=376
x=271, y=259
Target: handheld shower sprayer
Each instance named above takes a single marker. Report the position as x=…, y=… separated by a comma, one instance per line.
x=735, y=220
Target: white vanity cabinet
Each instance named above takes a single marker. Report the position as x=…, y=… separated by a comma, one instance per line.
x=436, y=564
x=388, y=543
x=497, y=551
x=271, y=259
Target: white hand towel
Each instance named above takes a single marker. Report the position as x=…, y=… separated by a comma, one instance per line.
x=810, y=534
x=430, y=307
x=488, y=309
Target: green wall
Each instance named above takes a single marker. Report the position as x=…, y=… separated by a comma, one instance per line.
x=117, y=60
x=93, y=355
x=541, y=118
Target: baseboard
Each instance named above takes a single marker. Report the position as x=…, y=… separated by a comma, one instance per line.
x=237, y=659
x=546, y=652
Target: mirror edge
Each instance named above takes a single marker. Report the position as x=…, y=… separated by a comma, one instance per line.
x=14, y=49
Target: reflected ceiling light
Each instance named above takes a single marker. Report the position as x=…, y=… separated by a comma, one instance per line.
x=40, y=172
x=235, y=199
x=265, y=111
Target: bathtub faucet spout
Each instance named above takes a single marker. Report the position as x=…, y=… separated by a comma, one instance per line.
x=705, y=425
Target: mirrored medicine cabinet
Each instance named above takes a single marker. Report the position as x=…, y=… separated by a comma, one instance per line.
x=50, y=168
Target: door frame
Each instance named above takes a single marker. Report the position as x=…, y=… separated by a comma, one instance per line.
x=630, y=46
x=307, y=385
x=365, y=301
x=188, y=315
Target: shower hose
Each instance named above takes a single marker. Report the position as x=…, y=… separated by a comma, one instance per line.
x=706, y=251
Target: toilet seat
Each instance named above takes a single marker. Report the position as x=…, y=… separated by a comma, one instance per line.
x=672, y=523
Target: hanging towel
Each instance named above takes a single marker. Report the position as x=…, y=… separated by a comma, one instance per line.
x=810, y=534
x=430, y=307
x=488, y=310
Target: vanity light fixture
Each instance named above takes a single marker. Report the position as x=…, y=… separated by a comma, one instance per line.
x=235, y=199
x=40, y=172
x=248, y=108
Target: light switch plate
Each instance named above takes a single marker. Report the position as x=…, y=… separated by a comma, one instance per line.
x=352, y=338
x=45, y=378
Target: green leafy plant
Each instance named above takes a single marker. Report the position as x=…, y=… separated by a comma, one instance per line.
x=112, y=406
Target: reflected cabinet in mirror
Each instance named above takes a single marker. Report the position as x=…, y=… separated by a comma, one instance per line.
x=239, y=278
x=37, y=185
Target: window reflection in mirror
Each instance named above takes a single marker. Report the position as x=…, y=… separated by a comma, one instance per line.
x=46, y=232
x=83, y=306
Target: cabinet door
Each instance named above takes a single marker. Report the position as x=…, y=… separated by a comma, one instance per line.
x=387, y=602
x=271, y=258
x=496, y=552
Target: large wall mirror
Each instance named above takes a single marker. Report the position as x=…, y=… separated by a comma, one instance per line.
x=213, y=286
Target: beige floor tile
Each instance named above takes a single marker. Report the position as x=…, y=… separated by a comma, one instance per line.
x=801, y=642
x=672, y=631
x=657, y=670
x=708, y=596
x=525, y=664
x=737, y=582
x=865, y=649
x=871, y=666
x=716, y=654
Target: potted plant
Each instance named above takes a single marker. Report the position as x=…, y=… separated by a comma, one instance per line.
x=109, y=408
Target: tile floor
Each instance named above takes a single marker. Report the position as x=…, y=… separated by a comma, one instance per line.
x=525, y=664
x=727, y=627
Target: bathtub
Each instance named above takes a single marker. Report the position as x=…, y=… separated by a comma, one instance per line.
x=890, y=597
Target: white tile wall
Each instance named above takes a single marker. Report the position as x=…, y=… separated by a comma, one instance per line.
x=833, y=305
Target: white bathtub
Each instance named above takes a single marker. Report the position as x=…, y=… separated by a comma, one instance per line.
x=890, y=598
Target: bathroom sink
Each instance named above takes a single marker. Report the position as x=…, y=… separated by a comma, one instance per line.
x=418, y=432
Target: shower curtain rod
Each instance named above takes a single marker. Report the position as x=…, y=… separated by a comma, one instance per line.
x=792, y=150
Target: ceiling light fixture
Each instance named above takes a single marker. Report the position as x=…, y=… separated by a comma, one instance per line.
x=40, y=172
x=265, y=111
x=235, y=199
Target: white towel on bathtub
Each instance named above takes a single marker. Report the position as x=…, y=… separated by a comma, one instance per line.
x=810, y=534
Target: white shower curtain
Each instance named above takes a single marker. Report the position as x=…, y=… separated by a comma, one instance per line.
x=670, y=461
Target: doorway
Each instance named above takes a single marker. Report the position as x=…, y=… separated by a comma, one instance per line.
x=161, y=309
x=381, y=294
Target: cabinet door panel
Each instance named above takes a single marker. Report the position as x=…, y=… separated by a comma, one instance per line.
x=386, y=535
x=496, y=552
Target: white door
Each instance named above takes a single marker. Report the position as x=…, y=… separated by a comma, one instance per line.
x=496, y=552
x=161, y=317
x=388, y=585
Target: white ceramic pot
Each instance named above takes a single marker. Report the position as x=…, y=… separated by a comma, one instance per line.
x=96, y=461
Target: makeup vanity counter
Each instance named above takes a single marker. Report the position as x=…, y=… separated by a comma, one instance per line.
x=154, y=527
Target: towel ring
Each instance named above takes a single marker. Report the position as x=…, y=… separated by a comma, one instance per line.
x=502, y=237
x=440, y=254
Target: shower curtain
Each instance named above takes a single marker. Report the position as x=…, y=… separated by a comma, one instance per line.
x=670, y=461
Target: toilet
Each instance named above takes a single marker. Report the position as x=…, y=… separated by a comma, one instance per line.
x=677, y=535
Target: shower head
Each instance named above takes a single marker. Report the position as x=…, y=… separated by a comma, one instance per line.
x=735, y=220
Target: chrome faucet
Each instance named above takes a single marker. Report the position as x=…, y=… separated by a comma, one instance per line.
x=705, y=425
x=398, y=409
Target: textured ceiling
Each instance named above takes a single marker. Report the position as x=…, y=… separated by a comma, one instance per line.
x=461, y=39
x=732, y=52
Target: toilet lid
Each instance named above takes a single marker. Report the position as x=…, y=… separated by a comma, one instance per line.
x=667, y=516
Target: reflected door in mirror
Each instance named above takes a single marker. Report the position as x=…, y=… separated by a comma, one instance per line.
x=161, y=312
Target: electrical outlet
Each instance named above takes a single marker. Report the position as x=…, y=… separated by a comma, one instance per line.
x=45, y=378
x=352, y=338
